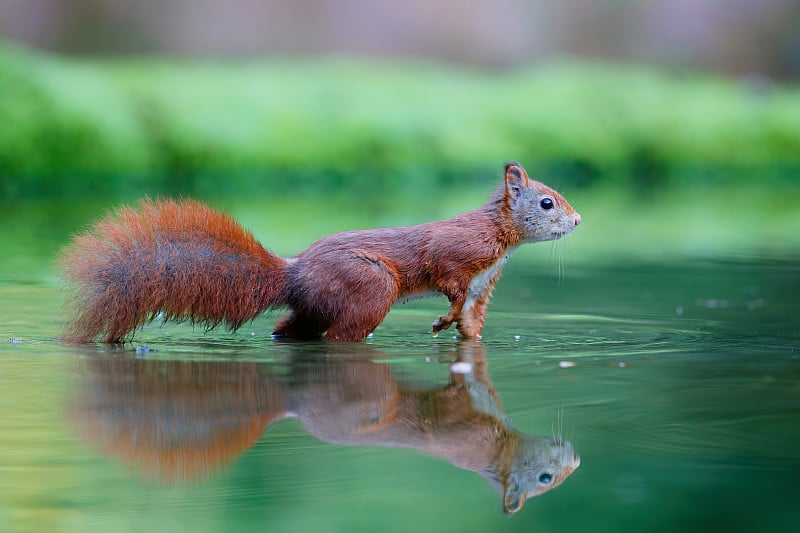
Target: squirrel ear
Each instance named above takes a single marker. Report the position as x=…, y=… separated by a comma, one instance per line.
x=513, y=496
x=516, y=178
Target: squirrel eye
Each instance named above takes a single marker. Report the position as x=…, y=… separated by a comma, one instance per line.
x=546, y=203
x=545, y=479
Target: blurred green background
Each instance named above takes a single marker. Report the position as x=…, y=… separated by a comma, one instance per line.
x=673, y=127
x=76, y=126
x=659, y=162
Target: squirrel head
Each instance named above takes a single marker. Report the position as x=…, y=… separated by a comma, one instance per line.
x=538, y=465
x=539, y=213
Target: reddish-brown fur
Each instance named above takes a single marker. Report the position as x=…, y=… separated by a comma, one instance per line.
x=186, y=420
x=180, y=258
x=186, y=260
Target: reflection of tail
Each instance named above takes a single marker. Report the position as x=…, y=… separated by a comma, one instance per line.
x=175, y=420
x=174, y=455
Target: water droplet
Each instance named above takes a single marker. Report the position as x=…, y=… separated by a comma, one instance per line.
x=461, y=367
x=143, y=349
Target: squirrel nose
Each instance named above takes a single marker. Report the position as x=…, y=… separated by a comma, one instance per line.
x=577, y=219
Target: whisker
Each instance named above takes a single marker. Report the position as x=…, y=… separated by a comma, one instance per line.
x=557, y=436
x=562, y=260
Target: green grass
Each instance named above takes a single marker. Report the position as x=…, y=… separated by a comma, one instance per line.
x=82, y=127
x=661, y=165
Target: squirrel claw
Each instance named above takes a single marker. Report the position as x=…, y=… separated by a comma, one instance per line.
x=441, y=323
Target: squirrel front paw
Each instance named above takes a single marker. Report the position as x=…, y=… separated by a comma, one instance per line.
x=442, y=322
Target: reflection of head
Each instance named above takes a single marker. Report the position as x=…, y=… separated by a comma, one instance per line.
x=537, y=465
x=183, y=420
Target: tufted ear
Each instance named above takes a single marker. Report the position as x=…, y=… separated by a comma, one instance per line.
x=516, y=179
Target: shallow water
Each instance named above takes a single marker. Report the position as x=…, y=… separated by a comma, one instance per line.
x=676, y=384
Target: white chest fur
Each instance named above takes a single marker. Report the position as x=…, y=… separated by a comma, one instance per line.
x=483, y=280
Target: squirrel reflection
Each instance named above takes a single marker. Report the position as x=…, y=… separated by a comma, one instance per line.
x=184, y=419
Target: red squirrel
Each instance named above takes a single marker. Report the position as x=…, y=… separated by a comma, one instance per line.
x=184, y=260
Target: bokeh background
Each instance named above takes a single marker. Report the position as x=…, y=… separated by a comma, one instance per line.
x=680, y=115
x=672, y=125
x=737, y=37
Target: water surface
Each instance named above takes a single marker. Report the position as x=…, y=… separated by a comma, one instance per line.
x=677, y=385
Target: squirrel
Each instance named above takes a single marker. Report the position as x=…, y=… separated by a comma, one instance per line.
x=181, y=259
x=182, y=421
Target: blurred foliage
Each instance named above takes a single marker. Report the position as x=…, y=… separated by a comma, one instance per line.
x=77, y=126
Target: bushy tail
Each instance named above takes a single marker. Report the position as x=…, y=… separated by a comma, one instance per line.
x=180, y=258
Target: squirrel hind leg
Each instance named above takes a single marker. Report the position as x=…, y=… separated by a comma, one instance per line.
x=355, y=328
x=354, y=293
x=297, y=325
x=363, y=310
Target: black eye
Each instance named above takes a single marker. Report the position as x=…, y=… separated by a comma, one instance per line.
x=545, y=479
x=546, y=203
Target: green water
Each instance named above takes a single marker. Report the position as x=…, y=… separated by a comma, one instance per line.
x=683, y=403
x=677, y=383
